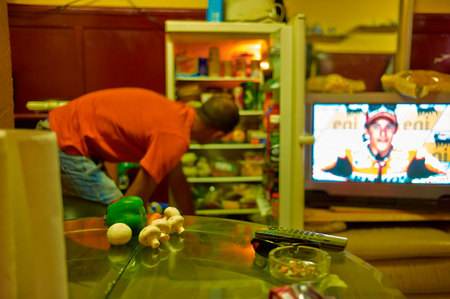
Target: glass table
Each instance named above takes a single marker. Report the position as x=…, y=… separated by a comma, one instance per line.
x=213, y=259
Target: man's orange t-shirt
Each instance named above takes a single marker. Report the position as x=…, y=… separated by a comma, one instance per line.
x=125, y=125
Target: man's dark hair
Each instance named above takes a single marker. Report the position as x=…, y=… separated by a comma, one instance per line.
x=220, y=113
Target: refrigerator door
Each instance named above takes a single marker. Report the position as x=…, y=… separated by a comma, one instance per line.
x=292, y=124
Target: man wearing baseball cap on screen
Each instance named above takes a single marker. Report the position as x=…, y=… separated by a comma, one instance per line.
x=376, y=160
x=381, y=126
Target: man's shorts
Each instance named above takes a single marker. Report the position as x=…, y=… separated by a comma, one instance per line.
x=83, y=177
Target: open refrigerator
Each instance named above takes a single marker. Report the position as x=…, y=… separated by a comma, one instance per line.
x=257, y=168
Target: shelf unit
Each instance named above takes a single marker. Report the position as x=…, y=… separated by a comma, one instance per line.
x=226, y=179
x=225, y=146
x=218, y=79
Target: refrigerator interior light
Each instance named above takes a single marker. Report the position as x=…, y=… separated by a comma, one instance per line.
x=264, y=65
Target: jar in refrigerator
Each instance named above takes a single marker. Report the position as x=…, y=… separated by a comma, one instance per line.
x=227, y=68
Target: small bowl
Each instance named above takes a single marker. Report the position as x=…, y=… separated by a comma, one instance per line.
x=298, y=263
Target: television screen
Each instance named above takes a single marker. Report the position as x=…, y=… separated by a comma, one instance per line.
x=391, y=143
x=376, y=148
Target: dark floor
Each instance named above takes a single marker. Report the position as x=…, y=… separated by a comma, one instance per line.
x=76, y=208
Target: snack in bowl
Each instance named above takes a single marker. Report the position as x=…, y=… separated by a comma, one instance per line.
x=296, y=263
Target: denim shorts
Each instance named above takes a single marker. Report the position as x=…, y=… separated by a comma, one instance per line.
x=83, y=177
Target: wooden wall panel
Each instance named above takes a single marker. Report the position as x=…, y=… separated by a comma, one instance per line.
x=44, y=64
x=138, y=58
x=430, y=45
x=6, y=87
x=64, y=52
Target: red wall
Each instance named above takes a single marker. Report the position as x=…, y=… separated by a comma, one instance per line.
x=430, y=41
x=64, y=53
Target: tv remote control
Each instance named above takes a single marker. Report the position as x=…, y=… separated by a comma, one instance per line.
x=283, y=234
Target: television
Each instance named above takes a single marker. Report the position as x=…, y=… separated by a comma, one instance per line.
x=378, y=150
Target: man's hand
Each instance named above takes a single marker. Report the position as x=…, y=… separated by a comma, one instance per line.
x=181, y=190
x=143, y=186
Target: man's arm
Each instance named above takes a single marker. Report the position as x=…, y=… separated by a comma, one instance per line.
x=143, y=186
x=425, y=165
x=342, y=167
x=181, y=190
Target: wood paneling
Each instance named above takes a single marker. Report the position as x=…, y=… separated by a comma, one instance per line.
x=137, y=57
x=44, y=64
x=430, y=45
x=6, y=94
x=63, y=53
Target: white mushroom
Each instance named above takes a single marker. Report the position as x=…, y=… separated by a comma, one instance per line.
x=164, y=226
x=176, y=224
x=170, y=212
x=149, y=236
x=119, y=234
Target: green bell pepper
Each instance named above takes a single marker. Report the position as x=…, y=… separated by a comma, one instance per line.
x=129, y=210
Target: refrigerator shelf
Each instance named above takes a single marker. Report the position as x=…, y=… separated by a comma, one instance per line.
x=217, y=212
x=251, y=112
x=218, y=79
x=217, y=29
x=228, y=179
x=226, y=146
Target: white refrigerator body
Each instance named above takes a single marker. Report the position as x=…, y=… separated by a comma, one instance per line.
x=292, y=96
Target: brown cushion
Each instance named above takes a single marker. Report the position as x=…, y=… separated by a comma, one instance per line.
x=427, y=296
x=390, y=243
x=418, y=275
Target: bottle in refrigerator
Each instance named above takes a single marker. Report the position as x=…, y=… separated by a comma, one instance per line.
x=238, y=96
x=214, y=62
x=250, y=95
x=275, y=196
x=241, y=68
x=274, y=138
x=255, y=69
x=271, y=120
x=227, y=68
x=270, y=98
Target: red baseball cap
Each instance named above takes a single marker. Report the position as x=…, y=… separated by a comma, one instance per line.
x=383, y=111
